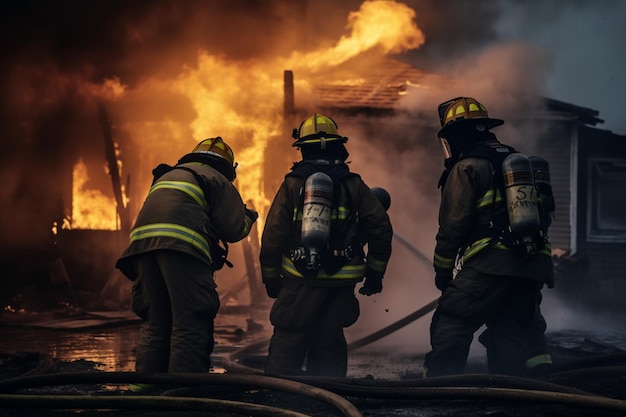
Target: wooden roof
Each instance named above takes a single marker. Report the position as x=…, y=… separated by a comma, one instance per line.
x=375, y=84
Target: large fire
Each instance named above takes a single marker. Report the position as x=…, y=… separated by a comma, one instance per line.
x=243, y=103
x=91, y=209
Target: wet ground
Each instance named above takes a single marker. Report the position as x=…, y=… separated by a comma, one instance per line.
x=77, y=362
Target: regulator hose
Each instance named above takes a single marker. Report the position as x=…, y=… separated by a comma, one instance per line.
x=257, y=381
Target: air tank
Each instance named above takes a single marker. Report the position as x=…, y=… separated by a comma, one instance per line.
x=383, y=196
x=316, y=211
x=541, y=175
x=521, y=197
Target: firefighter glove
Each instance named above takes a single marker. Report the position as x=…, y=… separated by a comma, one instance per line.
x=443, y=279
x=252, y=215
x=373, y=283
x=272, y=288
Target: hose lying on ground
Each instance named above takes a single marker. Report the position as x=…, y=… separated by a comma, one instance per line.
x=591, y=362
x=143, y=403
x=358, y=387
x=256, y=381
x=389, y=392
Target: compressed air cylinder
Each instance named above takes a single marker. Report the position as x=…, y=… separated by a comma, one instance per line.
x=316, y=211
x=383, y=196
x=521, y=196
x=541, y=175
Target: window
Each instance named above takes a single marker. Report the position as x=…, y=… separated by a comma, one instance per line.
x=607, y=200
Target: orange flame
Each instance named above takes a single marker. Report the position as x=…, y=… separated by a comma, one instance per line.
x=90, y=208
x=378, y=23
x=243, y=101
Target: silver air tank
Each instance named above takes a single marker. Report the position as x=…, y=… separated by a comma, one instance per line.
x=521, y=197
x=541, y=174
x=316, y=210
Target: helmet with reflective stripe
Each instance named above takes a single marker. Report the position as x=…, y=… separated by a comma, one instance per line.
x=464, y=110
x=317, y=130
x=216, y=153
x=217, y=147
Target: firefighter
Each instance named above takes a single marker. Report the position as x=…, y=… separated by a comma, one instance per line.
x=312, y=254
x=499, y=271
x=177, y=243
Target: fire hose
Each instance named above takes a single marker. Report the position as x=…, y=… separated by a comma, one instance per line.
x=415, y=390
x=344, y=406
x=466, y=386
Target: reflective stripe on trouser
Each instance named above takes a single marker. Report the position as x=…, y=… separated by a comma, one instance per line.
x=308, y=323
x=179, y=297
x=543, y=359
x=505, y=304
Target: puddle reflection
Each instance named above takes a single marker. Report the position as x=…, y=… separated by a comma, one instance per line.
x=111, y=349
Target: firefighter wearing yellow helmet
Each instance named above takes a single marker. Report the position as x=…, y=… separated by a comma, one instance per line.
x=312, y=253
x=487, y=273
x=177, y=243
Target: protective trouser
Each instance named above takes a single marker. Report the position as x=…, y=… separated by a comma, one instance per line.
x=175, y=295
x=505, y=304
x=308, y=326
x=538, y=352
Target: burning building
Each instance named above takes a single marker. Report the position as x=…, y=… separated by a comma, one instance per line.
x=96, y=96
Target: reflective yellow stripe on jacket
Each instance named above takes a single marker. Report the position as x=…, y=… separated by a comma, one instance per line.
x=482, y=204
x=443, y=262
x=376, y=265
x=192, y=190
x=481, y=244
x=346, y=272
x=172, y=230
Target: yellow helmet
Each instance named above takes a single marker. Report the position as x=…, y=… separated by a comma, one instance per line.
x=464, y=109
x=317, y=129
x=216, y=153
x=216, y=147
